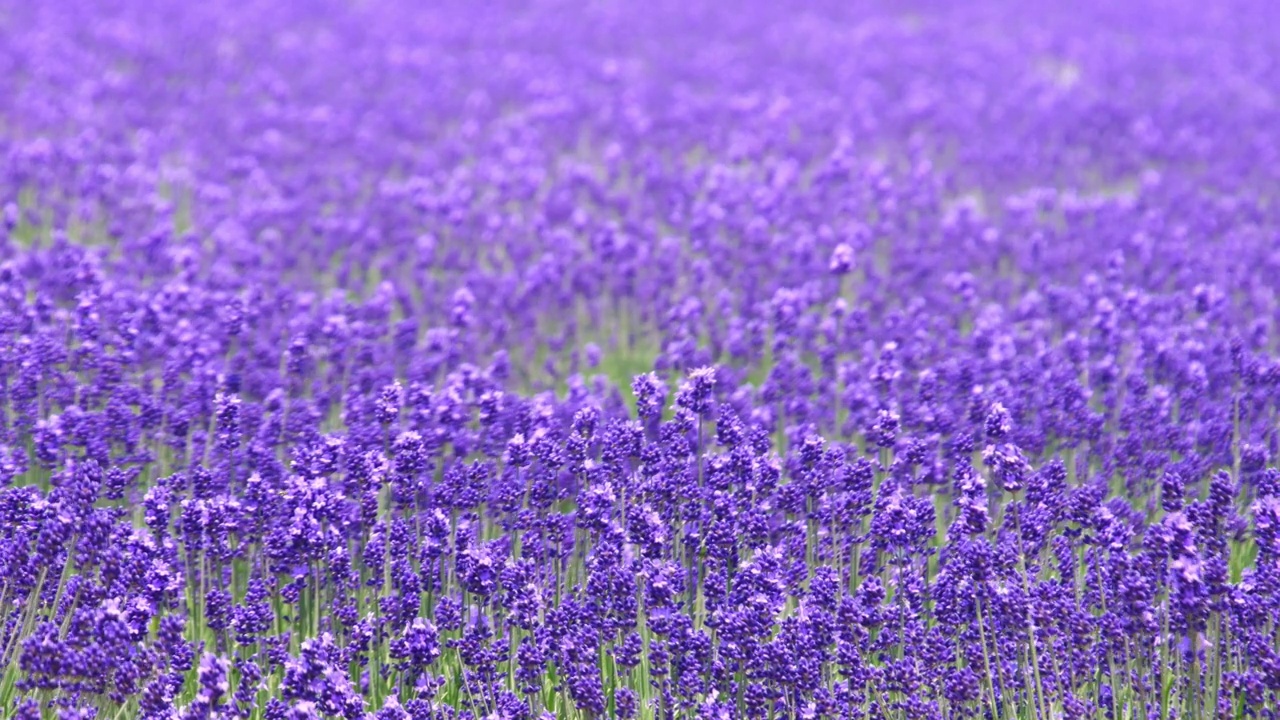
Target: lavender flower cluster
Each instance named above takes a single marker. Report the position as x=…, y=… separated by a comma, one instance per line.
x=553, y=359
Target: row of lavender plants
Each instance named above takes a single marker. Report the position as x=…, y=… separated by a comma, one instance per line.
x=519, y=361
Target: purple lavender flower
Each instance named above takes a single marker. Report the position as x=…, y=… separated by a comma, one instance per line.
x=419, y=646
x=998, y=423
x=1009, y=465
x=842, y=260
x=694, y=394
x=544, y=388
x=650, y=395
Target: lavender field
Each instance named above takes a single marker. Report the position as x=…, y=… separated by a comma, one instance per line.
x=596, y=359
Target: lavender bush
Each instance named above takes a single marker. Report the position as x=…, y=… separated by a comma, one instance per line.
x=583, y=360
